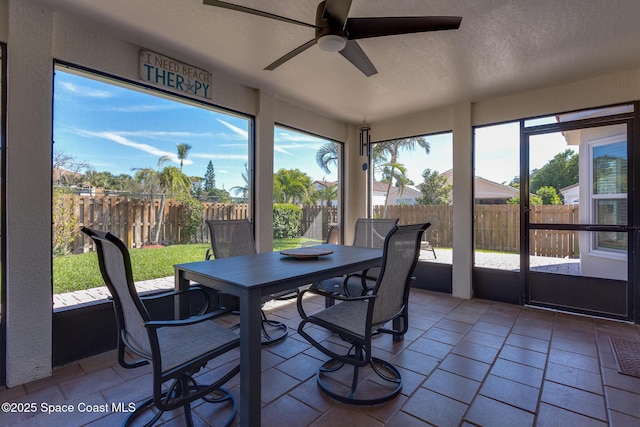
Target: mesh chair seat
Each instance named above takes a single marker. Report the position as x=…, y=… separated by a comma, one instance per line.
x=180, y=345
x=349, y=316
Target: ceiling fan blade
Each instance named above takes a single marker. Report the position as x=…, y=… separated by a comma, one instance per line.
x=362, y=28
x=337, y=10
x=290, y=55
x=354, y=54
x=251, y=11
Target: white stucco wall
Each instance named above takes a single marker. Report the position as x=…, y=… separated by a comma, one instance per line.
x=28, y=198
x=597, y=262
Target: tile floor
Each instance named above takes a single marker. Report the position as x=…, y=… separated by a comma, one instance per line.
x=464, y=363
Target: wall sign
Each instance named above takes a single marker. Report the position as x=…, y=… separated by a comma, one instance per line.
x=173, y=75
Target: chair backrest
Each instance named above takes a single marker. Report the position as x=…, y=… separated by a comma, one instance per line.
x=115, y=266
x=333, y=235
x=231, y=238
x=401, y=251
x=370, y=232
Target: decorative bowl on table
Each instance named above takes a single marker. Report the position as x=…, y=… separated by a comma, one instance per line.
x=306, y=253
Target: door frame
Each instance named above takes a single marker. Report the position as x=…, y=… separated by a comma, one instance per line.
x=561, y=290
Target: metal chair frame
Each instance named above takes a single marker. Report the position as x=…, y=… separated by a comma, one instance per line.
x=171, y=346
x=356, y=319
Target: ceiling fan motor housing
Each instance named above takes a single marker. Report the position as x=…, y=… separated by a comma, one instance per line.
x=330, y=36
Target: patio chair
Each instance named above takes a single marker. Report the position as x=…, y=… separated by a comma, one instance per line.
x=369, y=233
x=427, y=246
x=358, y=318
x=176, y=349
x=235, y=237
x=333, y=235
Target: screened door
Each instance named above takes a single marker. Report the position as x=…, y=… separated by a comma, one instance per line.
x=577, y=220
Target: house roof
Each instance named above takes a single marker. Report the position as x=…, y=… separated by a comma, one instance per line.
x=487, y=189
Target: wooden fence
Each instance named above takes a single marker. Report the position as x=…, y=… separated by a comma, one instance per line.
x=497, y=227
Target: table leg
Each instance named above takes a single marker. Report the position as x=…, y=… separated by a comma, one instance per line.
x=250, y=358
x=181, y=305
x=398, y=324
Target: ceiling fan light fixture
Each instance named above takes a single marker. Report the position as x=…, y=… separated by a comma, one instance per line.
x=332, y=43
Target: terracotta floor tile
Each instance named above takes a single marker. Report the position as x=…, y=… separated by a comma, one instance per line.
x=552, y=416
x=465, y=367
x=402, y=419
x=510, y=392
x=582, y=402
x=615, y=379
x=443, y=335
x=573, y=377
x=523, y=356
x=488, y=412
x=452, y=385
x=518, y=372
x=484, y=338
x=341, y=416
x=475, y=351
x=435, y=408
x=530, y=343
x=573, y=346
x=492, y=328
x=623, y=401
x=431, y=348
x=562, y=357
x=415, y=361
x=463, y=363
x=287, y=411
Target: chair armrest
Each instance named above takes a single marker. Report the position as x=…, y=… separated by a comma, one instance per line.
x=181, y=322
x=322, y=292
x=337, y=296
x=193, y=288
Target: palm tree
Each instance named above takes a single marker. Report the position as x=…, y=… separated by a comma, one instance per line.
x=328, y=193
x=243, y=190
x=392, y=148
x=291, y=186
x=173, y=182
x=183, y=152
x=326, y=155
x=168, y=181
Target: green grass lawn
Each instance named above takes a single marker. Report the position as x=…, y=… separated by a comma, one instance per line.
x=76, y=272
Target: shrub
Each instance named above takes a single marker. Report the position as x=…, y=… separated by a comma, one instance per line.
x=64, y=220
x=286, y=220
x=190, y=218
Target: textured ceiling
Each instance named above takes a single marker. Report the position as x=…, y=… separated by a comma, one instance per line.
x=501, y=47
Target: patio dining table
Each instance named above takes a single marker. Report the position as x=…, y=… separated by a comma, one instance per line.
x=250, y=277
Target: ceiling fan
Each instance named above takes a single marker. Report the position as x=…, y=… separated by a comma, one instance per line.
x=336, y=32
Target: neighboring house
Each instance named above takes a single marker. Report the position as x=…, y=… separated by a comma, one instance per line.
x=488, y=192
x=602, y=193
x=571, y=194
x=406, y=196
x=63, y=176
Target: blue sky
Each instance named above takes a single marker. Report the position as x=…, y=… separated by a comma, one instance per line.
x=117, y=129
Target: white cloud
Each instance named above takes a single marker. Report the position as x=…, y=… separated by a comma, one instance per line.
x=241, y=132
x=85, y=91
x=146, y=148
x=143, y=108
